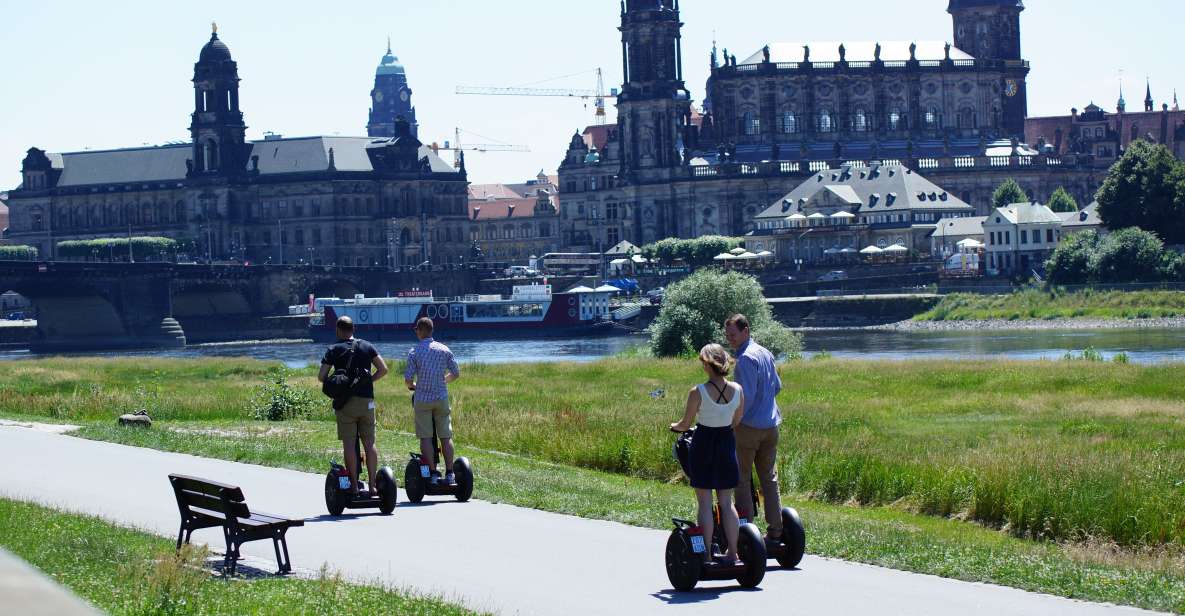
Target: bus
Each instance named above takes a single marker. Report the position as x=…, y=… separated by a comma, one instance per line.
x=572, y=263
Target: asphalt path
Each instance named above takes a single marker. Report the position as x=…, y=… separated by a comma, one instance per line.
x=500, y=558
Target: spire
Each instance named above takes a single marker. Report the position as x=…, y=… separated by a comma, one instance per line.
x=388, y=44
x=1122, y=105
x=1176, y=107
x=1148, y=102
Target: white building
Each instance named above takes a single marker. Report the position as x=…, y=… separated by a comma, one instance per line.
x=1020, y=237
x=944, y=242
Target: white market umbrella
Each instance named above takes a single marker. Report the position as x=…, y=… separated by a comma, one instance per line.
x=724, y=256
x=831, y=251
x=871, y=250
x=639, y=259
x=897, y=248
x=816, y=216
x=765, y=254
x=843, y=214
x=619, y=262
x=747, y=256
x=796, y=216
x=738, y=251
x=970, y=243
x=848, y=251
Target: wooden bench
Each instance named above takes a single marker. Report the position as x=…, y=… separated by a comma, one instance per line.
x=207, y=504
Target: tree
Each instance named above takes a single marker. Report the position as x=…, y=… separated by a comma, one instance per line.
x=1070, y=261
x=1062, y=201
x=1131, y=255
x=695, y=308
x=17, y=253
x=1008, y=193
x=1145, y=188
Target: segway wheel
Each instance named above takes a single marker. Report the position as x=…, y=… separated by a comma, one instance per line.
x=388, y=490
x=464, y=474
x=683, y=565
x=794, y=536
x=335, y=499
x=751, y=546
x=413, y=484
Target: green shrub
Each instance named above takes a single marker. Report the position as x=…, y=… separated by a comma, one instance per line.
x=17, y=253
x=695, y=308
x=278, y=400
x=697, y=251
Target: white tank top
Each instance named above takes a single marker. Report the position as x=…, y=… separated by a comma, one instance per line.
x=713, y=414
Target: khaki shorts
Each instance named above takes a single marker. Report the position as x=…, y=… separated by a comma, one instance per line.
x=355, y=419
x=438, y=410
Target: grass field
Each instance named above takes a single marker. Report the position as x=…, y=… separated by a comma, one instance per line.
x=123, y=571
x=1058, y=304
x=1088, y=455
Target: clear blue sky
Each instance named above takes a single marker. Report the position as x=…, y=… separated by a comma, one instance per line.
x=102, y=75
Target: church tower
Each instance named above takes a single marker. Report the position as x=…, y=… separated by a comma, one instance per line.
x=390, y=98
x=653, y=108
x=988, y=29
x=219, y=135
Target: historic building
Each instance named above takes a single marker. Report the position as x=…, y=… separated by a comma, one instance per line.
x=358, y=201
x=836, y=213
x=390, y=99
x=516, y=228
x=955, y=112
x=1105, y=136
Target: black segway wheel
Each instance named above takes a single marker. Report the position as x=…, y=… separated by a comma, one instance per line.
x=335, y=498
x=794, y=538
x=413, y=484
x=751, y=546
x=683, y=564
x=464, y=474
x=388, y=489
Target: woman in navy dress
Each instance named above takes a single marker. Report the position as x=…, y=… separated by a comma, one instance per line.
x=712, y=460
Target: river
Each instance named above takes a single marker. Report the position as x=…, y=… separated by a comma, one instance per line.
x=1147, y=346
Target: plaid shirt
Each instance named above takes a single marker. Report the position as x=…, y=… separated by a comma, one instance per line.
x=428, y=361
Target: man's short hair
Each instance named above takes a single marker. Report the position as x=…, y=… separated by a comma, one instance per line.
x=345, y=324
x=740, y=321
x=424, y=325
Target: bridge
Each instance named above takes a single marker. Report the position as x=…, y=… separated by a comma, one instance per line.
x=83, y=306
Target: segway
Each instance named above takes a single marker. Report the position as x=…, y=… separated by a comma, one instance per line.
x=789, y=549
x=687, y=547
x=418, y=476
x=339, y=497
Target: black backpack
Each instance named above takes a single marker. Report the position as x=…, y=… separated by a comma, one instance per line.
x=340, y=384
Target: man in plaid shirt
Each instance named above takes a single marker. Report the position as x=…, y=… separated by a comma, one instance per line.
x=430, y=368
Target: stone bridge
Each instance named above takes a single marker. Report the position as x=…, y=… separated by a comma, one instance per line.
x=144, y=305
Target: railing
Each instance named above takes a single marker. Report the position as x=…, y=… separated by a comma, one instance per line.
x=789, y=167
x=964, y=162
x=818, y=165
x=748, y=169
x=927, y=163
x=701, y=171
x=931, y=163
x=929, y=65
x=999, y=161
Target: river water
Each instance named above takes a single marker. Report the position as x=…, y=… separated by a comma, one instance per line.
x=1141, y=346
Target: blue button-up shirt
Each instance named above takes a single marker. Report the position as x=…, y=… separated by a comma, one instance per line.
x=758, y=376
x=428, y=361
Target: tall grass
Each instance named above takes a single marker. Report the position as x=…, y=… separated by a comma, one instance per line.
x=1048, y=450
x=1058, y=304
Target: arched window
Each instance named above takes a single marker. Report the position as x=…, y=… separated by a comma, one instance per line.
x=860, y=121
x=750, y=123
x=896, y=120
x=789, y=123
x=826, y=121
x=179, y=212
x=211, y=155
x=967, y=118
x=932, y=118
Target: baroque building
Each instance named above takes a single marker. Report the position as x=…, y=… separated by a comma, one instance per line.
x=356, y=201
x=390, y=99
x=954, y=111
x=1103, y=136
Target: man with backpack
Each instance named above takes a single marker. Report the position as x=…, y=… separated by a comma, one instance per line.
x=345, y=376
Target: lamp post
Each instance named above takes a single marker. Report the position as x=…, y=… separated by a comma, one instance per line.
x=280, y=238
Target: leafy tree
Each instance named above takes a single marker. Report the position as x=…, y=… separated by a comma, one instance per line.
x=1131, y=255
x=697, y=251
x=17, y=253
x=1070, y=261
x=695, y=308
x=1145, y=188
x=1062, y=201
x=1008, y=193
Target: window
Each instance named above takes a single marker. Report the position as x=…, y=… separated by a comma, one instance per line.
x=298, y=208
x=300, y=237
x=284, y=236
x=612, y=236
x=932, y=118
x=1008, y=237
x=1036, y=236
x=315, y=207
x=751, y=124
x=316, y=236
x=789, y=123
x=1049, y=236
x=283, y=209
x=1024, y=236
x=967, y=118
x=826, y=121
x=611, y=211
x=592, y=212
x=860, y=121
x=358, y=236
x=895, y=118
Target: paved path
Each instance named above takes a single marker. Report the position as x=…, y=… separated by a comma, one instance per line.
x=493, y=557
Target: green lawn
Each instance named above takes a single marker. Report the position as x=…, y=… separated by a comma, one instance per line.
x=123, y=571
x=885, y=460
x=1033, y=304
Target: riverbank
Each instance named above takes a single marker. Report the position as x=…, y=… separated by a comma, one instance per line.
x=1075, y=463
x=1058, y=304
x=1067, y=324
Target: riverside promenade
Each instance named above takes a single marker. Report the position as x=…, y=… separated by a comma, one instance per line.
x=504, y=559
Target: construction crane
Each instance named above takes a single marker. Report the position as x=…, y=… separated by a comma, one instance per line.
x=598, y=95
x=456, y=147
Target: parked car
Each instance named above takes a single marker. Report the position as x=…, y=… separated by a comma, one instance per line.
x=520, y=271
x=833, y=276
x=655, y=295
x=16, y=316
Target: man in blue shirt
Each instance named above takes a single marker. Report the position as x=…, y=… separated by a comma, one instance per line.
x=430, y=368
x=757, y=434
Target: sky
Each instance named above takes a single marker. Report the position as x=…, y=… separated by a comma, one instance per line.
x=100, y=75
